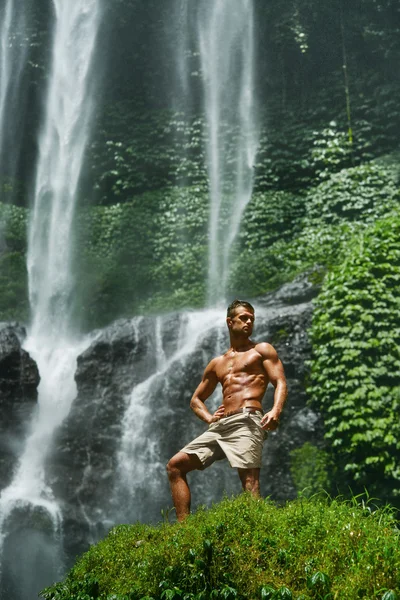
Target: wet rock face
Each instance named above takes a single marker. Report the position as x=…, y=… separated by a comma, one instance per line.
x=84, y=459
x=19, y=379
x=138, y=363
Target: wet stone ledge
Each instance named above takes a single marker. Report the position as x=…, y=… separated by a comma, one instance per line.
x=19, y=379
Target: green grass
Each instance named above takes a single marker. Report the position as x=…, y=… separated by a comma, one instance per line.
x=309, y=549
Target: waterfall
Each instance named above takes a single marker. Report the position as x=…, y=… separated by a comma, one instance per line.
x=225, y=33
x=61, y=150
x=180, y=47
x=51, y=342
x=13, y=54
x=154, y=412
x=214, y=41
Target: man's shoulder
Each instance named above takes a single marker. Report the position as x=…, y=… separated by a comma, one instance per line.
x=265, y=350
x=213, y=364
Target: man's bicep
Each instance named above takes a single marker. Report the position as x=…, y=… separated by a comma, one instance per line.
x=207, y=384
x=273, y=365
x=275, y=370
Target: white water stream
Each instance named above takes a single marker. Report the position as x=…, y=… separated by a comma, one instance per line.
x=13, y=54
x=61, y=149
x=214, y=41
x=64, y=136
x=226, y=40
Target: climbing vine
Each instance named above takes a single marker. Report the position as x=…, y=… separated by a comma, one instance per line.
x=356, y=366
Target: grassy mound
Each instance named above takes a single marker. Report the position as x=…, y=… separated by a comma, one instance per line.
x=315, y=549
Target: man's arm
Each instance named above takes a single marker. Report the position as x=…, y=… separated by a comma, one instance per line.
x=276, y=376
x=204, y=391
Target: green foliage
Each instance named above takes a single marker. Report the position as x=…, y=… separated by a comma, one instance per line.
x=149, y=254
x=284, y=234
x=146, y=150
x=246, y=549
x=390, y=595
x=13, y=284
x=363, y=193
x=13, y=275
x=271, y=222
x=10, y=190
x=337, y=210
x=331, y=150
x=13, y=225
x=299, y=157
x=356, y=365
x=270, y=217
x=310, y=469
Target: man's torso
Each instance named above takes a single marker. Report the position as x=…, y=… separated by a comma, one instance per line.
x=243, y=378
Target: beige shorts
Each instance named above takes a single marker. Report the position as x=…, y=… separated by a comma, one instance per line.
x=238, y=438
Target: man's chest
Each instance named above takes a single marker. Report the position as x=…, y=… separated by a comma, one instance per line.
x=236, y=363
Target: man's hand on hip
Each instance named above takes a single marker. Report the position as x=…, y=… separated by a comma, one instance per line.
x=270, y=421
x=219, y=413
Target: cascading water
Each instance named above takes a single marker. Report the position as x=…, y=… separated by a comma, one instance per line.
x=225, y=32
x=180, y=47
x=51, y=343
x=13, y=55
x=215, y=40
x=61, y=149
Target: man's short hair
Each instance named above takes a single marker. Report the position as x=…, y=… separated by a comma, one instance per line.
x=233, y=306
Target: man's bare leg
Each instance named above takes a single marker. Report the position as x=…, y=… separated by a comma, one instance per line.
x=250, y=479
x=178, y=467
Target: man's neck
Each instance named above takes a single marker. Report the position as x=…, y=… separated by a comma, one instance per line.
x=240, y=343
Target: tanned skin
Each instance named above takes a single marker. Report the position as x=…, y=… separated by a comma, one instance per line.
x=244, y=372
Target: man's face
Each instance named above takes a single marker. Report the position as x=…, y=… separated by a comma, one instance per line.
x=242, y=321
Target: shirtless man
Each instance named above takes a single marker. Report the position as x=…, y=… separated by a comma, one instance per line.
x=237, y=428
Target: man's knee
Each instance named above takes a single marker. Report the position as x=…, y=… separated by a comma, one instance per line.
x=173, y=468
x=181, y=464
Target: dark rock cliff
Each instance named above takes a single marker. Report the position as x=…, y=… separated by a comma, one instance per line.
x=19, y=378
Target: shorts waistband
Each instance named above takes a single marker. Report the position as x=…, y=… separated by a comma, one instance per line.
x=245, y=409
